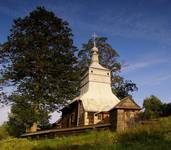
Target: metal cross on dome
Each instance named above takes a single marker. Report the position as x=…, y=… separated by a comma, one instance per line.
x=94, y=38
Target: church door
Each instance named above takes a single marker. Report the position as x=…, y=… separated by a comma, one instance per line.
x=91, y=118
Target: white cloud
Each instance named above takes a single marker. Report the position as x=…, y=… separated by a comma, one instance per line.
x=155, y=80
x=161, y=79
x=144, y=64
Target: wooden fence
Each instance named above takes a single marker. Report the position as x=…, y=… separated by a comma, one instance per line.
x=65, y=131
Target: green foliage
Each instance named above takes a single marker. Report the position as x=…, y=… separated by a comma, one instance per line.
x=41, y=54
x=39, y=60
x=166, y=109
x=3, y=132
x=108, y=58
x=155, y=136
x=23, y=115
x=153, y=107
x=122, y=88
x=107, y=55
x=16, y=144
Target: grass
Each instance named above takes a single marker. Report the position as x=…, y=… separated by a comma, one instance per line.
x=148, y=137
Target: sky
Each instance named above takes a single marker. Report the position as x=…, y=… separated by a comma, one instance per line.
x=140, y=31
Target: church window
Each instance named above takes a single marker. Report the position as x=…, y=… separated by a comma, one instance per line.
x=99, y=116
x=107, y=73
x=91, y=117
x=72, y=117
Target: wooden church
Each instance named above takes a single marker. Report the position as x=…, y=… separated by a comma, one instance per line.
x=96, y=103
x=96, y=106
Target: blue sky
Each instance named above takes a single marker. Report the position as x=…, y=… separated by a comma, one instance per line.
x=140, y=30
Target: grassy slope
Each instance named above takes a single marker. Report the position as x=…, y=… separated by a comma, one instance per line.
x=150, y=137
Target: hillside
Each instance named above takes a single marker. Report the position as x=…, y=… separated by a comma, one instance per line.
x=156, y=136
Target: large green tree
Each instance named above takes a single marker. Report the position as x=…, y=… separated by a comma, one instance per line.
x=108, y=58
x=153, y=107
x=39, y=60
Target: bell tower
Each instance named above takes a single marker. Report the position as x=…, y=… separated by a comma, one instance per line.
x=96, y=83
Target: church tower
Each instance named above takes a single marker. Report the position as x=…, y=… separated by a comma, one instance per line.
x=96, y=97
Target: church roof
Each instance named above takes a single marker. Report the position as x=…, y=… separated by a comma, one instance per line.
x=98, y=100
x=97, y=66
x=127, y=103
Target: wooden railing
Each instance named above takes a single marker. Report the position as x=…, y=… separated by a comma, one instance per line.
x=66, y=131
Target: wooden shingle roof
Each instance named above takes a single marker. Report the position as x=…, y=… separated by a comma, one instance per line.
x=127, y=103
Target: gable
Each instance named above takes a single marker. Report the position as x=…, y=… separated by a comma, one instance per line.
x=127, y=103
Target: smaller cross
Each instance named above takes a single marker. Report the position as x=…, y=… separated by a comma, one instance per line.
x=94, y=38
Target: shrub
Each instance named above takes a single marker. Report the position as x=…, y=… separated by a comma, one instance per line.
x=153, y=107
x=3, y=132
x=16, y=144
